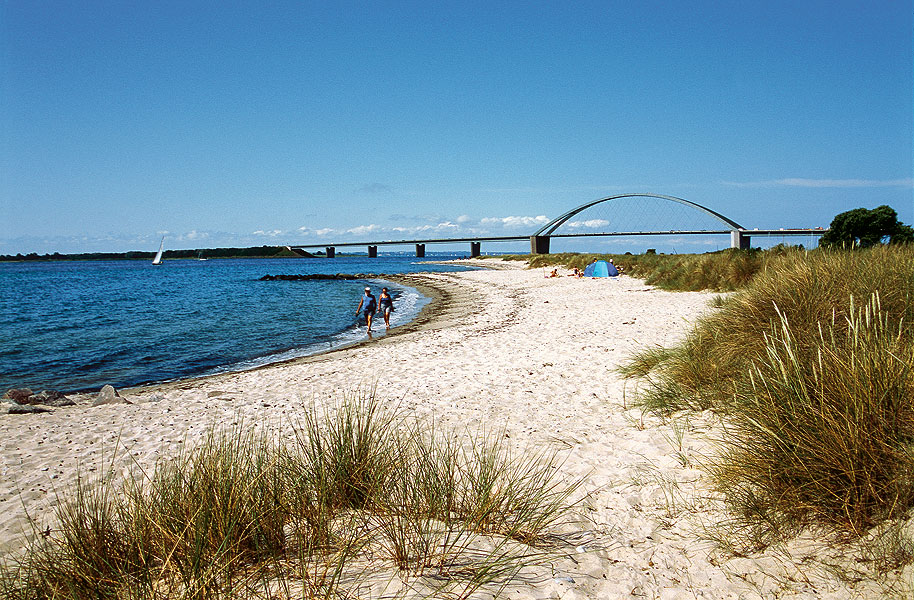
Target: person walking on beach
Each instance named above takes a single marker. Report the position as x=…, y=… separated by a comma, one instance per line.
x=385, y=306
x=369, y=304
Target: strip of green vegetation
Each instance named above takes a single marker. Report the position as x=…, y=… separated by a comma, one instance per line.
x=363, y=500
x=253, y=252
x=722, y=271
x=811, y=362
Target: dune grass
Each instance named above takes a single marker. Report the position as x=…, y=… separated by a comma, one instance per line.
x=824, y=438
x=722, y=271
x=809, y=290
x=357, y=501
x=810, y=364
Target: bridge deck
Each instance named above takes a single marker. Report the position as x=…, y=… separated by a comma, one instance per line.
x=520, y=238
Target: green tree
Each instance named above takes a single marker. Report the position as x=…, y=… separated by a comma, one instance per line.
x=903, y=235
x=862, y=228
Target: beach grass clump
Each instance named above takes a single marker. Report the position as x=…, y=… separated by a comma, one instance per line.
x=826, y=440
x=97, y=551
x=217, y=506
x=349, y=457
x=501, y=494
x=810, y=366
x=809, y=289
x=358, y=494
x=722, y=271
x=200, y=519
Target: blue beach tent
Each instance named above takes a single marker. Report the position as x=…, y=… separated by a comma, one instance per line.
x=601, y=268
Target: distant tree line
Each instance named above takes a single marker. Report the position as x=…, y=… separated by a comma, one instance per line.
x=253, y=252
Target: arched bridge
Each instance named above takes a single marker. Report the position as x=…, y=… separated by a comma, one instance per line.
x=623, y=215
x=539, y=241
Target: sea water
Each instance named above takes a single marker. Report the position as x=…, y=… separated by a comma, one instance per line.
x=76, y=326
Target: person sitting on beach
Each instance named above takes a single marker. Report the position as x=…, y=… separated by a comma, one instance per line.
x=576, y=273
x=385, y=306
x=369, y=303
x=555, y=273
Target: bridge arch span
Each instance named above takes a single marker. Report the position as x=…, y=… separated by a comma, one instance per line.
x=550, y=227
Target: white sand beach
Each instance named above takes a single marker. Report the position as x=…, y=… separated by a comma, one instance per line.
x=507, y=349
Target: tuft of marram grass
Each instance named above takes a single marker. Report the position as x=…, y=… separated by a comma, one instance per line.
x=357, y=492
x=816, y=391
x=824, y=440
x=809, y=289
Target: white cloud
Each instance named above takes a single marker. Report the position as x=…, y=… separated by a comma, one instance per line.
x=274, y=233
x=824, y=183
x=462, y=225
x=444, y=226
x=363, y=229
x=304, y=230
x=844, y=183
x=516, y=221
x=590, y=223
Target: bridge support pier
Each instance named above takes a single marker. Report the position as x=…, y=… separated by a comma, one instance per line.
x=740, y=239
x=474, y=249
x=539, y=244
x=372, y=251
x=331, y=252
x=420, y=250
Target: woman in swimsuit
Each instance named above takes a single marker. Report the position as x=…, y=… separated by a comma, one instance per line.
x=385, y=304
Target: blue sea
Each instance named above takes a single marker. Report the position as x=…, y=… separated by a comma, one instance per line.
x=76, y=326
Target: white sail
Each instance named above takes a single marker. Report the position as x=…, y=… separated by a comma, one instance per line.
x=158, y=259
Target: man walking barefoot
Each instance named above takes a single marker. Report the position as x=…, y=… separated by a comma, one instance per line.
x=369, y=304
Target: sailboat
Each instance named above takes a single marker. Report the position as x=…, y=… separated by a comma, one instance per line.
x=158, y=259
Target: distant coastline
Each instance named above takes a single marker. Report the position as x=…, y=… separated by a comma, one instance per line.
x=193, y=254
x=197, y=253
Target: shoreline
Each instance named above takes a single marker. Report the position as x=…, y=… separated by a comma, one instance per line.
x=81, y=387
x=442, y=304
x=504, y=350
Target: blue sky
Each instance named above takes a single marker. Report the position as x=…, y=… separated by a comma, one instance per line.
x=246, y=123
